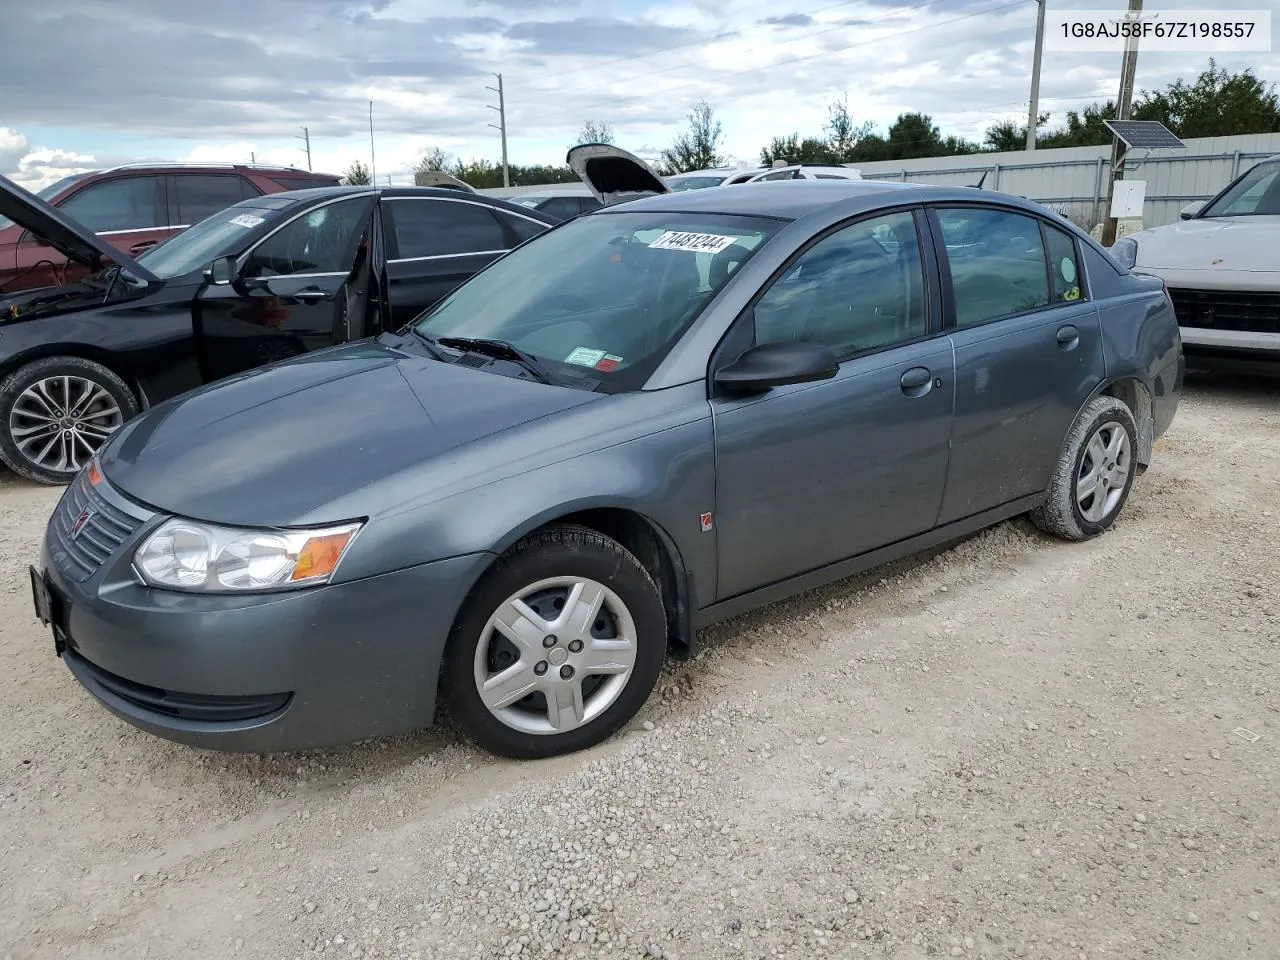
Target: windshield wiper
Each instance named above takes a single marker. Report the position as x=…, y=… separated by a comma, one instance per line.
x=502, y=349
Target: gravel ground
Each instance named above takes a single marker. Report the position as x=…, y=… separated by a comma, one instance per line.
x=1018, y=747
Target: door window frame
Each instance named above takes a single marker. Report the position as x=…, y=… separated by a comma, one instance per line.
x=741, y=334
x=944, y=262
x=243, y=257
x=392, y=240
x=161, y=209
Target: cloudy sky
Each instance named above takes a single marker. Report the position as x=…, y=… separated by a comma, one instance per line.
x=94, y=82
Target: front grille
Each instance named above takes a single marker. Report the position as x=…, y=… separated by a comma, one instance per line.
x=184, y=706
x=105, y=528
x=1227, y=310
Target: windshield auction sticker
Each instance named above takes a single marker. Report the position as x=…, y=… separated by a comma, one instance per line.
x=246, y=220
x=692, y=242
x=1169, y=31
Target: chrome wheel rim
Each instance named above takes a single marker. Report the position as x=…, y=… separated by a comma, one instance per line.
x=555, y=655
x=58, y=423
x=1104, y=472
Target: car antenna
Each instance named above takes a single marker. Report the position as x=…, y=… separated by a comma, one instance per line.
x=981, y=180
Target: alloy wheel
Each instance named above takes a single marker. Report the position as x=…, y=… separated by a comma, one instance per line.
x=58, y=423
x=555, y=655
x=1104, y=472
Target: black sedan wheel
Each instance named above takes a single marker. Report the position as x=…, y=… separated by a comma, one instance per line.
x=559, y=646
x=55, y=413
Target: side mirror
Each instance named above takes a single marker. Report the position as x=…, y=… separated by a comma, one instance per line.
x=1191, y=209
x=776, y=365
x=221, y=271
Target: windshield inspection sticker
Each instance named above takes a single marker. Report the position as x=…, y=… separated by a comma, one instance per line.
x=692, y=242
x=246, y=220
x=608, y=363
x=585, y=357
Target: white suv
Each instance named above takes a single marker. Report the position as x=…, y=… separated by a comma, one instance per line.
x=807, y=171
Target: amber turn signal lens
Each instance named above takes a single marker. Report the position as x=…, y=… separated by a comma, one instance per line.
x=95, y=475
x=320, y=555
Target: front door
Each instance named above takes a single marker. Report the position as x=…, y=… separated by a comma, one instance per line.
x=811, y=474
x=435, y=243
x=289, y=295
x=1028, y=352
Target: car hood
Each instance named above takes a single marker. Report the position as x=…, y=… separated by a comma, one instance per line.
x=613, y=174
x=1212, y=243
x=77, y=242
x=271, y=446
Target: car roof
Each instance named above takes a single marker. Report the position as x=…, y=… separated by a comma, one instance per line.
x=793, y=199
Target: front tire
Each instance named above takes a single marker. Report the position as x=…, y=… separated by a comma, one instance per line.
x=1094, y=474
x=559, y=645
x=56, y=413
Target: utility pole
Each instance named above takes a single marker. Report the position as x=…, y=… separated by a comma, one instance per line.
x=1123, y=105
x=253, y=157
x=373, y=160
x=501, y=126
x=1034, y=115
x=306, y=138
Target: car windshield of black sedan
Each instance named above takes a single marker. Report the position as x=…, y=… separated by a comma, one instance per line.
x=214, y=237
x=606, y=294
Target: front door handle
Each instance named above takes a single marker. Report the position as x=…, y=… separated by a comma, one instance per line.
x=311, y=295
x=1068, y=337
x=916, y=381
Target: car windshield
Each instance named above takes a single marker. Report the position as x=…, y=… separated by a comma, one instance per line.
x=48, y=193
x=1255, y=194
x=695, y=183
x=604, y=297
x=209, y=239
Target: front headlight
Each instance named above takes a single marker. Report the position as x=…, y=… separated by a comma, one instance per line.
x=201, y=557
x=1125, y=251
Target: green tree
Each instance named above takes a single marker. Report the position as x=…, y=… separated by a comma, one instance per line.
x=595, y=131
x=916, y=135
x=433, y=158
x=843, y=135
x=698, y=147
x=792, y=149
x=357, y=175
x=1008, y=135
x=1218, y=104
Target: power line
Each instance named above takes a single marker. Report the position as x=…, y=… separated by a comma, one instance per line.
x=773, y=66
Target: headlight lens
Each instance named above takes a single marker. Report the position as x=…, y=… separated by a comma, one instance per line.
x=1125, y=250
x=187, y=555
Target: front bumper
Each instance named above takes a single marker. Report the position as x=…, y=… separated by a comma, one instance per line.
x=259, y=673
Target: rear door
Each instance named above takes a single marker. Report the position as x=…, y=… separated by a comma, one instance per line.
x=435, y=243
x=1028, y=351
x=290, y=293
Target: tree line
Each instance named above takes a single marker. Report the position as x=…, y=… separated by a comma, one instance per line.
x=1217, y=104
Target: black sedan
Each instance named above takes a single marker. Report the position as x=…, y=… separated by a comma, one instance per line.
x=264, y=280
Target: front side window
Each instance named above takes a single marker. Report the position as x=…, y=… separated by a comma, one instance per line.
x=322, y=240
x=125, y=204
x=997, y=261
x=202, y=195
x=442, y=228
x=851, y=291
x=603, y=297
x=1255, y=194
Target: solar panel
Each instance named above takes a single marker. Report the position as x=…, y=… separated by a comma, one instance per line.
x=1144, y=134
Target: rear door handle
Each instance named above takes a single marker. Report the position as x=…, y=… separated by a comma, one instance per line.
x=1068, y=336
x=311, y=295
x=916, y=381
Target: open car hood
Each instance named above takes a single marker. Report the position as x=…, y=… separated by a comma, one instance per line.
x=48, y=223
x=438, y=178
x=613, y=174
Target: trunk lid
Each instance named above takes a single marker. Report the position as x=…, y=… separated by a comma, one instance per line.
x=613, y=175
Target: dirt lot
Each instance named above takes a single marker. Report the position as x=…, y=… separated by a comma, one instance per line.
x=1016, y=748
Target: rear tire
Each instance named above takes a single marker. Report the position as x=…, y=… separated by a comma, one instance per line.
x=560, y=644
x=56, y=413
x=1094, y=473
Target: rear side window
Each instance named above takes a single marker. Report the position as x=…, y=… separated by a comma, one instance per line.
x=997, y=261
x=128, y=203
x=441, y=228
x=521, y=228
x=1064, y=266
x=197, y=196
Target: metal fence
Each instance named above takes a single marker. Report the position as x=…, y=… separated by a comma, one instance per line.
x=1073, y=180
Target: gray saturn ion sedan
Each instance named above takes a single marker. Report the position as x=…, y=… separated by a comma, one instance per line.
x=651, y=417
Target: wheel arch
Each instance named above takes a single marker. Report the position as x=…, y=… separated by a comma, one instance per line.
x=646, y=540
x=1135, y=395
x=84, y=351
